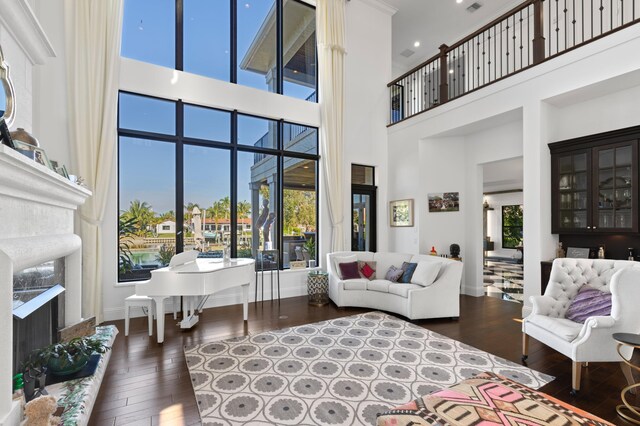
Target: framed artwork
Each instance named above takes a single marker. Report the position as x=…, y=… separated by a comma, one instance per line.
x=401, y=213
x=444, y=202
x=41, y=157
x=578, y=253
x=297, y=264
x=5, y=137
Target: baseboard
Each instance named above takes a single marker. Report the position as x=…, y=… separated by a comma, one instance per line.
x=474, y=291
x=225, y=299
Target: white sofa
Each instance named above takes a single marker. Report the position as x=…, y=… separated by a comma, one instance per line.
x=439, y=300
x=591, y=341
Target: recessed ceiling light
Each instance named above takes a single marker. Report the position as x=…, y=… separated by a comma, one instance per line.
x=450, y=71
x=459, y=1
x=416, y=44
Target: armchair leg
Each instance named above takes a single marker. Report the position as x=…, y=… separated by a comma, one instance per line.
x=626, y=370
x=525, y=346
x=576, y=372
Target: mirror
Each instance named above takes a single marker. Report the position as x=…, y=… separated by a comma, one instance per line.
x=7, y=98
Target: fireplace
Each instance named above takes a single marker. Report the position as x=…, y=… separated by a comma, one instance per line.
x=40, y=261
x=38, y=308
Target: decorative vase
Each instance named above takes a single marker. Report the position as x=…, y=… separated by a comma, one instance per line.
x=22, y=135
x=61, y=366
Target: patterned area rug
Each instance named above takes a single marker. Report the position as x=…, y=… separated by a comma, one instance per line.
x=338, y=372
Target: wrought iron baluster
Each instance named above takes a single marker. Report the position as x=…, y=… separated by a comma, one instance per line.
x=557, y=27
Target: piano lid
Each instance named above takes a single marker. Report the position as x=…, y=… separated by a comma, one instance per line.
x=205, y=265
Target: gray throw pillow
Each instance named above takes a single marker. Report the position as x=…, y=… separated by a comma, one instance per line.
x=394, y=274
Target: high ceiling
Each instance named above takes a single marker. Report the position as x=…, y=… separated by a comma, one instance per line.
x=434, y=22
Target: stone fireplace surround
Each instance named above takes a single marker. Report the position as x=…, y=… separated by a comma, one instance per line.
x=36, y=225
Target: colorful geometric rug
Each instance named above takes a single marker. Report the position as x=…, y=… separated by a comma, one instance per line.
x=338, y=372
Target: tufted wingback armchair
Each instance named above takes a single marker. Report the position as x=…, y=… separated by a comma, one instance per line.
x=591, y=341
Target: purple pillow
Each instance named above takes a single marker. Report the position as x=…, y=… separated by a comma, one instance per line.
x=589, y=303
x=394, y=274
x=349, y=271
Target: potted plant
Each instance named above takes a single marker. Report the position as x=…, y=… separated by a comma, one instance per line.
x=65, y=358
x=309, y=249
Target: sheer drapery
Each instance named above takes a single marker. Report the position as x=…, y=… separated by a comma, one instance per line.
x=92, y=35
x=331, y=32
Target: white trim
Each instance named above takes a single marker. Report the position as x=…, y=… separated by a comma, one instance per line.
x=23, y=25
x=382, y=6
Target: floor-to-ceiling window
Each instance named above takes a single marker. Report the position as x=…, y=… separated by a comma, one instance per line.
x=196, y=177
x=199, y=178
x=363, y=208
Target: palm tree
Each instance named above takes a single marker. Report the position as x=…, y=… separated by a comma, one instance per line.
x=141, y=213
x=244, y=209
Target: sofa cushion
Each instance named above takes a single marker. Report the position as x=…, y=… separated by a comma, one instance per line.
x=386, y=260
x=357, y=284
x=367, y=269
x=426, y=273
x=588, y=303
x=563, y=328
x=408, y=269
x=349, y=270
x=379, y=285
x=402, y=290
x=393, y=274
x=337, y=260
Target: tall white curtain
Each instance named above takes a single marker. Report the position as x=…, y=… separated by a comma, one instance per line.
x=92, y=35
x=331, y=32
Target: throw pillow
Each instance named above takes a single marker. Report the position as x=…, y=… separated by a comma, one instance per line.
x=349, y=271
x=393, y=274
x=367, y=269
x=589, y=302
x=426, y=273
x=409, y=269
x=337, y=260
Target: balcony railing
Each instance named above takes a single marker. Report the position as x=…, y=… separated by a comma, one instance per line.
x=531, y=33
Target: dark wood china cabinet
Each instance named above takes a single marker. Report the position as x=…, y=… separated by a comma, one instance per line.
x=594, y=183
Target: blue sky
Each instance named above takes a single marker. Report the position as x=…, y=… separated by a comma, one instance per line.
x=147, y=168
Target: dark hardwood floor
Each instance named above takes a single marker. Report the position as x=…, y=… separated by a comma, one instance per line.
x=147, y=383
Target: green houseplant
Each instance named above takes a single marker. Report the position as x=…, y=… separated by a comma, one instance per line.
x=64, y=358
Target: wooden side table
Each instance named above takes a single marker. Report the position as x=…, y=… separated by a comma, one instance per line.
x=318, y=288
x=626, y=410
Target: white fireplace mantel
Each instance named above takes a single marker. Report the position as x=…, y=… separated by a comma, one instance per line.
x=36, y=225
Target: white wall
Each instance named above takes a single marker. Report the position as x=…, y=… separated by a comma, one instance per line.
x=494, y=220
x=567, y=96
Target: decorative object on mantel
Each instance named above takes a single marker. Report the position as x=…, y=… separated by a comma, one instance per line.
x=5, y=135
x=401, y=213
x=454, y=250
x=22, y=135
x=59, y=169
x=560, y=251
x=632, y=253
x=433, y=251
x=8, y=108
x=601, y=252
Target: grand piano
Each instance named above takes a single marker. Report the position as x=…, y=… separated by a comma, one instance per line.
x=195, y=280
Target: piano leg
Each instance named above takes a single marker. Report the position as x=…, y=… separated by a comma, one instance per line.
x=159, y=301
x=245, y=301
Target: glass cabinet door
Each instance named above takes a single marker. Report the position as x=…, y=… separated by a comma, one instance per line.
x=615, y=198
x=573, y=189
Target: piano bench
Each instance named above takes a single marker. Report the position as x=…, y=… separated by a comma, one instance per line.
x=145, y=302
x=140, y=302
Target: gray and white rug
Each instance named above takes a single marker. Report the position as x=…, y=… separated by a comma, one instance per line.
x=337, y=372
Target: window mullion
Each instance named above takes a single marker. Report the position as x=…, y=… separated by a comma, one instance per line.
x=279, y=48
x=179, y=35
x=179, y=177
x=234, y=185
x=234, y=41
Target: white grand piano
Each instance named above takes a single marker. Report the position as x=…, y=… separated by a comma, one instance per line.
x=195, y=279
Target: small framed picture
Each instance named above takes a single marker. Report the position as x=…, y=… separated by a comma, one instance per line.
x=41, y=157
x=5, y=136
x=297, y=264
x=444, y=202
x=59, y=169
x=578, y=253
x=401, y=213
